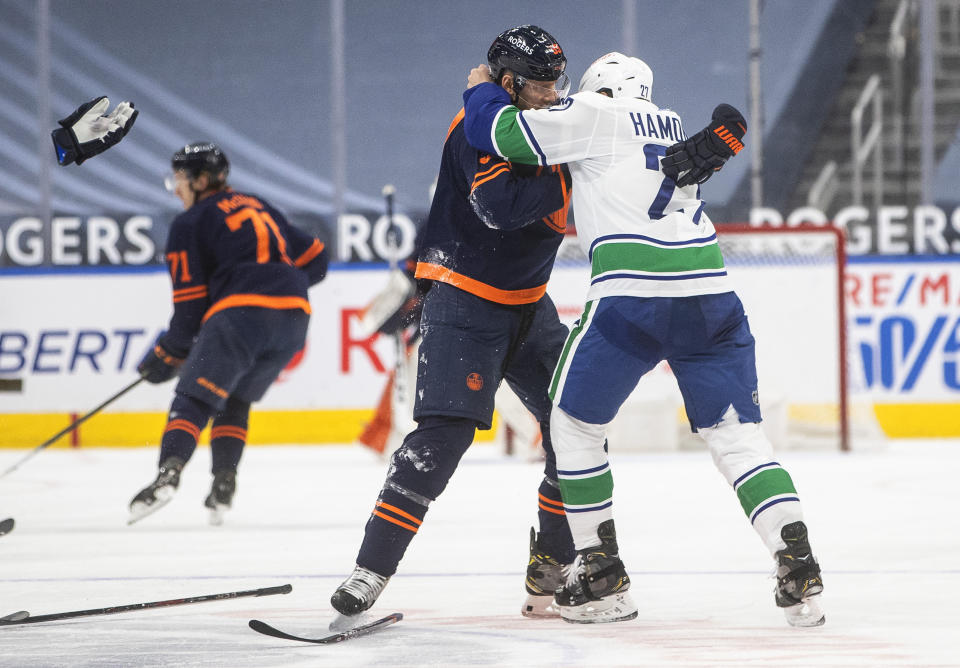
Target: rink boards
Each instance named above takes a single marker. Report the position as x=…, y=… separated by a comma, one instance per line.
x=74, y=338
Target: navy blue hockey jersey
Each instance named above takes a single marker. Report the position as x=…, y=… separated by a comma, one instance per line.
x=494, y=227
x=233, y=250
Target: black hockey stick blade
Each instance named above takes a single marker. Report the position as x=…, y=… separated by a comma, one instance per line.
x=11, y=384
x=383, y=622
x=6, y=526
x=19, y=618
x=15, y=616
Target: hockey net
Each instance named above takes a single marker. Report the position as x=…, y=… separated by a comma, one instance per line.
x=791, y=283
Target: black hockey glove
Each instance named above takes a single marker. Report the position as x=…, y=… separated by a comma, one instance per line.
x=694, y=160
x=88, y=131
x=159, y=365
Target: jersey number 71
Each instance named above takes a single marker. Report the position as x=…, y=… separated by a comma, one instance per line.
x=263, y=225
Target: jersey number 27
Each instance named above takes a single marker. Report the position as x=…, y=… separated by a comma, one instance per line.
x=653, y=153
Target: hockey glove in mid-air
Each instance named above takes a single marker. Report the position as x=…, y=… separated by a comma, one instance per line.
x=694, y=160
x=90, y=130
x=159, y=365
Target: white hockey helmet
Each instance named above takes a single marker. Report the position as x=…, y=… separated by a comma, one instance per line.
x=621, y=75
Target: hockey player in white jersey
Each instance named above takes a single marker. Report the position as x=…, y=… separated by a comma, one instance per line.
x=658, y=290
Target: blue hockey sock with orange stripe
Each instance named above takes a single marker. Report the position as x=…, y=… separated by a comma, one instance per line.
x=188, y=416
x=229, y=435
x=555, y=538
x=419, y=472
x=394, y=522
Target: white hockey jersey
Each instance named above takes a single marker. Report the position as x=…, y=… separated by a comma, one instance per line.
x=644, y=236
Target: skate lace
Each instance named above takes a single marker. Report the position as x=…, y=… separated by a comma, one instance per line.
x=164, y=478
x=796, y=573
x=363, y=584
x=169, y=473
x=572, y=572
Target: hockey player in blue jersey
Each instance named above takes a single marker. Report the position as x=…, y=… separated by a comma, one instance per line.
x=658, y=290
x=240, y=274
x=487, y=250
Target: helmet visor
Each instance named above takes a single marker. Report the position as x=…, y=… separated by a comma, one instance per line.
x=170, y=180
x=541, y=94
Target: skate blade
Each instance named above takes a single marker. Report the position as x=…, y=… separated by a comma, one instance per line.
x=540, y=607
x=806, y=614
x=614, y=608
x=217, y=513
x=139, y=509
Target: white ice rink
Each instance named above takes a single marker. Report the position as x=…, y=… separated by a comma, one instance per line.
x=883, y=524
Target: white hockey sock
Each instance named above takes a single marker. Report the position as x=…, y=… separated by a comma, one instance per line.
x=584, y=476
x=744, y=456
x=770, y=521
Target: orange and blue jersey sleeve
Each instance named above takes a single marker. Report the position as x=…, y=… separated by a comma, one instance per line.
x=307, y=253
x=504, y=200
x=190, y=291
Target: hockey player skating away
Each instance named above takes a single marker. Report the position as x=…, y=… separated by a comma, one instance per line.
x=240, y=275
x=658, y=290
x=488, y=248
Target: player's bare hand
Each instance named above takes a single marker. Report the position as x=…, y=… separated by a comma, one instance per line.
x=478, y=75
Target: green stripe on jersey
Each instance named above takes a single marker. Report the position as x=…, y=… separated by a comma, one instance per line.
x=763, y=486
x=628, y=256
x=509, y=139
x=587, y=491
x=571, y=337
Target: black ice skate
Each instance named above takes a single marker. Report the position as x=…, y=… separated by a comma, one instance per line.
x=158, y=493
x=798, y=579
x=221, y=495
x=545, y=575
x=358, y=592
x=596, y=589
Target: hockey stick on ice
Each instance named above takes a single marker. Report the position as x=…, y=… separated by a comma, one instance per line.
x=73, y=425
x=19, y=618
x=356, y=632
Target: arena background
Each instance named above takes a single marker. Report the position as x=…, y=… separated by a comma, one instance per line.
x=853, y=108
x=319, y=104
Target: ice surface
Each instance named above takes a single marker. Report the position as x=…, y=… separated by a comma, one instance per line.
x=883, y=524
